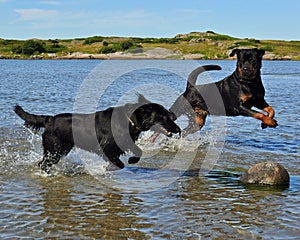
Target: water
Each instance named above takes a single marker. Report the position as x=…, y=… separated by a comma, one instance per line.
x=157, y=198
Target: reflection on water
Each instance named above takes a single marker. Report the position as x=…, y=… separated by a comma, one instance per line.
x=80, y=206
x=153, y=199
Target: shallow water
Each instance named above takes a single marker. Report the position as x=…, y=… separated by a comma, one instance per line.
x=181, y=189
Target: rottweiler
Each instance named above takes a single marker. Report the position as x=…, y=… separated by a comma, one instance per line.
x=109, y=133
x=233, y=96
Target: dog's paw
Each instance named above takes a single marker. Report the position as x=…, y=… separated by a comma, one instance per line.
x=44, y=167
x=263, y=126
x=272, y=123
x=112, y=167
x=184, y=133
x=275, y=124
x=133, y=160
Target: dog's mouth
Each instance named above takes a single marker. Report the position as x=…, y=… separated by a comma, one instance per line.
x=165, y=131
x=248, y=73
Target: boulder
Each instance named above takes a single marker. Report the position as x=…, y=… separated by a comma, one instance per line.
x=270, y=173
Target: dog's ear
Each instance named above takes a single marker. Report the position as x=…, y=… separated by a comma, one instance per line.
x=142, y=99
x=235, y=51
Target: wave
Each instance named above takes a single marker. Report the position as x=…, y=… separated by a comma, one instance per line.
x=22, y=148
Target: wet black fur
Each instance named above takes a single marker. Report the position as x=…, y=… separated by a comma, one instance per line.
x=232, y=96
x=109, y=133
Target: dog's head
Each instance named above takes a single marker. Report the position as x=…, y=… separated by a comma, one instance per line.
x=155, y=117
x=249, y=62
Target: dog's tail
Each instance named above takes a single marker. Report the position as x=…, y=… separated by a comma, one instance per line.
x=194, y=74
x=34, y=121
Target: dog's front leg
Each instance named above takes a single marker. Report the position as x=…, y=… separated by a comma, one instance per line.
x=266, y=120
x=116, y=163
x=113, y=159
x=137, y=154
x=263, y=105
x=270, y=111
x=271, y=114
x=196, y=121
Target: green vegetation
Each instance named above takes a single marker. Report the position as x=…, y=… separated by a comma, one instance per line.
x=24, y=49
x=91, y=40
x=33, y=47
x=118, y=46
x=209, y=45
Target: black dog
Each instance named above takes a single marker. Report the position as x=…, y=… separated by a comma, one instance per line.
x=234, y=95
x=109, y=133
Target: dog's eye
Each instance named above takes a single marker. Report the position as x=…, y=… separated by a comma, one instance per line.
x=253, y=61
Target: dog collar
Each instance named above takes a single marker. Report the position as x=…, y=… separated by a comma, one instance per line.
x=133, y=124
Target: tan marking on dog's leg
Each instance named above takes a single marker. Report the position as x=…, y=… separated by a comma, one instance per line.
x=270, y=111
x=200, y=116
x=200, y=121
x=265, y=119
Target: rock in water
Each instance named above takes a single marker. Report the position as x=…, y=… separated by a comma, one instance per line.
x=270, y=173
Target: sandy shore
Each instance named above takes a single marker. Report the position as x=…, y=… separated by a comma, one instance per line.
x=157, y=53
x=151, y=54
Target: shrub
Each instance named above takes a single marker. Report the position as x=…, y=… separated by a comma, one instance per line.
x=148, y=40
x=212, y=32
x=94, y=39
x=17, y=49
x=268, y=48
x=126, y=45
x=110, y=49
x=220, y=37
x=29, y=47
x=106, y=50
x=253, y=40
x=222, y=56
x=54, y=48
x=166, y=40
x=118, y=47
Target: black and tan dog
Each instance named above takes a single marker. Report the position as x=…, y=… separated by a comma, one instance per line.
x=109, y=133
x=233, y=96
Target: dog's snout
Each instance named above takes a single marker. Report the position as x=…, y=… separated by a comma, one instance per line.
x=176, y=128
x=246, y=67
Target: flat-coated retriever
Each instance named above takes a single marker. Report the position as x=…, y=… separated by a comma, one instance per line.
x=109, y=133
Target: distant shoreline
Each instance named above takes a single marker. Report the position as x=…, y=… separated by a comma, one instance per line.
x=126, y=56
x=138, y=58
x=192, y=46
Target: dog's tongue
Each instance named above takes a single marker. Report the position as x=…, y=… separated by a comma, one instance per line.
x=165, y=132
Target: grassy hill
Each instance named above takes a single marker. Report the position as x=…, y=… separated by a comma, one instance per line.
x=195, y=45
